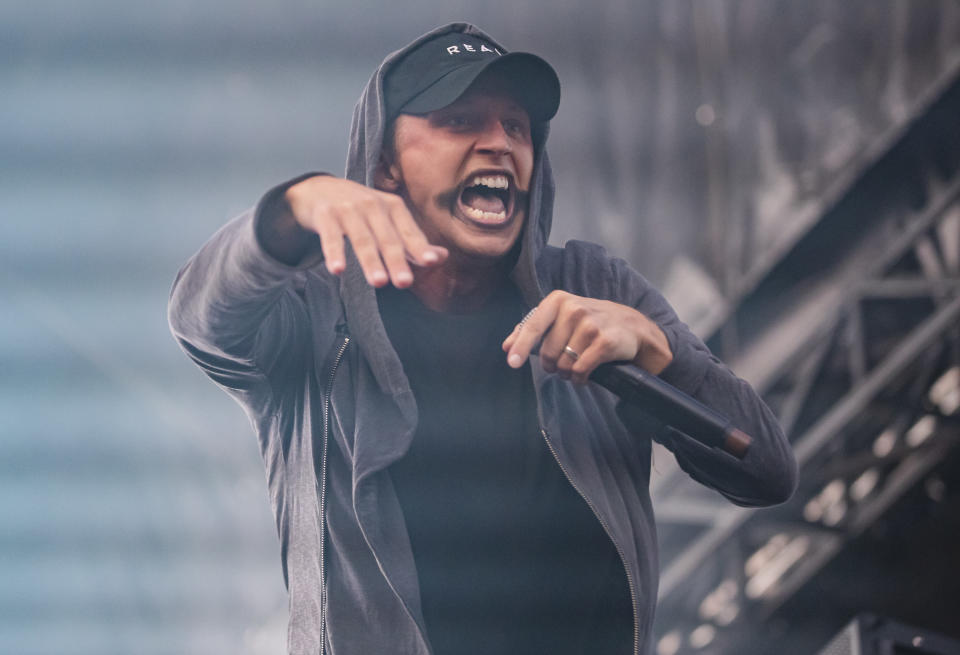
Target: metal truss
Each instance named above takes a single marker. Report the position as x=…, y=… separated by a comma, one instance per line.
x=869, y=396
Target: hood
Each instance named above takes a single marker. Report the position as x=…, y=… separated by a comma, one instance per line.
x=359, y=298
x=366, y=140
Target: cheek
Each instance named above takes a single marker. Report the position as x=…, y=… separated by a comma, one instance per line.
x=427, y=171
x=411, y=169
x=525, y=167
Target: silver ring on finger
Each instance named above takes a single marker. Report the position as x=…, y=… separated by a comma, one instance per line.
x=571, y=353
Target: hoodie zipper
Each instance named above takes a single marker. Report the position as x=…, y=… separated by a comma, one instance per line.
x=606, y=528
x=322, y=492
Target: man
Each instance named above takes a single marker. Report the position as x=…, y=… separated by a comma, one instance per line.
x=438, y=487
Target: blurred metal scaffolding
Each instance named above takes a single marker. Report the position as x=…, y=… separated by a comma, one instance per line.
x=853, y=339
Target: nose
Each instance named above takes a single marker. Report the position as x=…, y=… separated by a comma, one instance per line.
x=493, y=139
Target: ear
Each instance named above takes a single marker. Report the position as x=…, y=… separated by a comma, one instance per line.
x=386, y=177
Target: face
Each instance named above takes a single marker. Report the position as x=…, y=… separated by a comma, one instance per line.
x=465, y=171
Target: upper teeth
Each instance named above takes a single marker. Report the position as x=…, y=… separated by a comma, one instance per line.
x=492, y=181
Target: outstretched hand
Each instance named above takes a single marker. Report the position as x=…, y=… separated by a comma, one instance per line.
x=577, y=334
x=384, y=235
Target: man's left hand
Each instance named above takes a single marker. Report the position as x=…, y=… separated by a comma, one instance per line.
x=578, y=334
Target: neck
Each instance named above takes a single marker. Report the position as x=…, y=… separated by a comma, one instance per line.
x=457, y=289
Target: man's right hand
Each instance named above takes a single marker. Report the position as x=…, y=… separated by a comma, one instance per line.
x=384, y=235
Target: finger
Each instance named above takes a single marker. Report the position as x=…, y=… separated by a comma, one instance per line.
x=552, y=357
x=390, y=246
x=508, y=342
x=531, y=332
x=595, y=352
x=364, y=245
x=574, y=328
x=415, y=243
x=331, y=241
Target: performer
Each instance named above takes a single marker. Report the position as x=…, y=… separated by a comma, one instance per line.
x=439, y=487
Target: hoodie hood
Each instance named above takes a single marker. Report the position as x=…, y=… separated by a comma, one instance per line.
x=366, y=142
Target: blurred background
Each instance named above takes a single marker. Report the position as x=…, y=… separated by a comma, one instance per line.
x=787, y=172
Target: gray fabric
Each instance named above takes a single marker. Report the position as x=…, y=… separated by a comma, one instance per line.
x=270, y=334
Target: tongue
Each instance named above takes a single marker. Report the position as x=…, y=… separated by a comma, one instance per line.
x=484, y=201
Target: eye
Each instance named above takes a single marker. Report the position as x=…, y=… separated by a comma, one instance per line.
x=516, y=127
x=458, y=121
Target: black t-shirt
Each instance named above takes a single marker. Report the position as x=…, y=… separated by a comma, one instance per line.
x=510, y=558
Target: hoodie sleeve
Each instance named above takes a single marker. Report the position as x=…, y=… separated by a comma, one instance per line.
x=239, y=313
x=768, y=473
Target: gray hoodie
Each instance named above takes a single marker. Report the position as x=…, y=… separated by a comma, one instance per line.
x=306, y=355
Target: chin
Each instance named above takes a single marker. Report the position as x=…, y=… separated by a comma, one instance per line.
x=488, y=250
x=469, y=240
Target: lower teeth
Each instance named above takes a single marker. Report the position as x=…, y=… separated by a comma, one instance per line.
x=481, y=215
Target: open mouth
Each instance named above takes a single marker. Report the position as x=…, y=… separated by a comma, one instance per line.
x=487, y=199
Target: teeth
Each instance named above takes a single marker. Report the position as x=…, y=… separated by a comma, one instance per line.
x=491, y=181
x=483, y=216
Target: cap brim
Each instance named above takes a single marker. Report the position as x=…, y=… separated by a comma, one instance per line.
x=531, y=80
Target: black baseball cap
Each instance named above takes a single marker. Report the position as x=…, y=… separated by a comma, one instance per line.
x=439, y=70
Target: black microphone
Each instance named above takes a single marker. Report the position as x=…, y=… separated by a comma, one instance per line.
x=671, y=406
